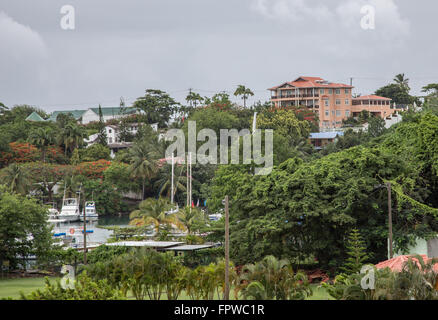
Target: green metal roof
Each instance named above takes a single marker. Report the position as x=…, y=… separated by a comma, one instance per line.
x=107, y=111
x=76, y=114
x=113, y=111
x=34, y=117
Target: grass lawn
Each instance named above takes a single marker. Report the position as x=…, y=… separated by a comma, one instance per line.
x=12, y=287
x=319, y=293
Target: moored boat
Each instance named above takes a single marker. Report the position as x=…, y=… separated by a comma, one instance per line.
x=90, y=212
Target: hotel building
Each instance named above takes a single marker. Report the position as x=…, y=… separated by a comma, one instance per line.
x=332, y=102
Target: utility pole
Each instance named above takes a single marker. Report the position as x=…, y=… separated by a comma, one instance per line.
x=227, y=250
x=351, y=81
x=388, y=186
x=187, y=182
x=171, y=190
x=190, y=180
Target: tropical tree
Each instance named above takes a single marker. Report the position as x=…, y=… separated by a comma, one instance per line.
x=153, y=212
x=158, y=106
x=143, y=162
x=194, y=99
x=356, y=251
x=23, y=229
x=71, y=136
x=70, y=185
x=274, y=279
x=191, y=218
x=402, y=81
x=244, y=92
x=164, y=183
x=42, y=138
x=102, y=137
x=3, y=108
x=84, y=289
x=16, y=178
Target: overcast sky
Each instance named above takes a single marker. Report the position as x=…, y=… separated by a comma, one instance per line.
x=120, y=48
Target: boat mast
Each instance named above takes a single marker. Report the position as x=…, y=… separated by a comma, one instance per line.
x=190, y=154
x=85, y=225
x=171, y=191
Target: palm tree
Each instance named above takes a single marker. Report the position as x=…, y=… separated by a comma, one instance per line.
x=143, y=161
x=194, y=98
x=276, y=277
x=244, y=92
x=191, y=218
x=42, y=138
x=164, y=184
x=16, y=178
x=70, y=186
x=153, y=212
x=72, y=136
x=402, y=81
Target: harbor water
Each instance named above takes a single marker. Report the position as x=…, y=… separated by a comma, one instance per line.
x=95, y=231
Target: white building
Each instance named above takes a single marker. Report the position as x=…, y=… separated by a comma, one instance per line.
x=92, y=114
x=113, y=137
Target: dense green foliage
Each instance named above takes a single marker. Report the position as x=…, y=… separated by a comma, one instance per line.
x=23, y=229
x=303, y=209
x=416, y=281
x=356, y=252
x=84, y=289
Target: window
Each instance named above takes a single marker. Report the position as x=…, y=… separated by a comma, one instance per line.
x=110, y=140
x=347, y=113
x=338, y=101
x=338, y=113
x=338, y=91
x=321, y=91
x=347, y=101
x=326, y=113
x=109, y=130
x=326, y=102
x=330, y=91
x=333, y=112
x=347, y=91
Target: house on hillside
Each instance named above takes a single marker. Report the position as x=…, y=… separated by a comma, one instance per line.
x=113, y=137
x=92, y=114
x=321, y=139
x=77, y=114
x=34, y=117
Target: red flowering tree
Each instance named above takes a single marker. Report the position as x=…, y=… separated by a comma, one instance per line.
x=47, y=175
x=20, y=152
x=93, y=169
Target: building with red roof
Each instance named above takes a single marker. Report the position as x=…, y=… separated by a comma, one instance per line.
x=332, y=102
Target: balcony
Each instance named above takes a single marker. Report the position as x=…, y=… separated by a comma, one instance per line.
x=301, y=95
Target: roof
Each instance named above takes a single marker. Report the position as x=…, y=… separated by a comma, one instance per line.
x=77, y=114
x=151, y=244
x=190, y=247
x=312, y=82
x=396, y=264
x=119, y=145
x=112, y=111
x=371, y=97
x=326, y=135
x=34, y=117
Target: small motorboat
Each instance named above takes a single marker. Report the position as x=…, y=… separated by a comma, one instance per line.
x=90, y=212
